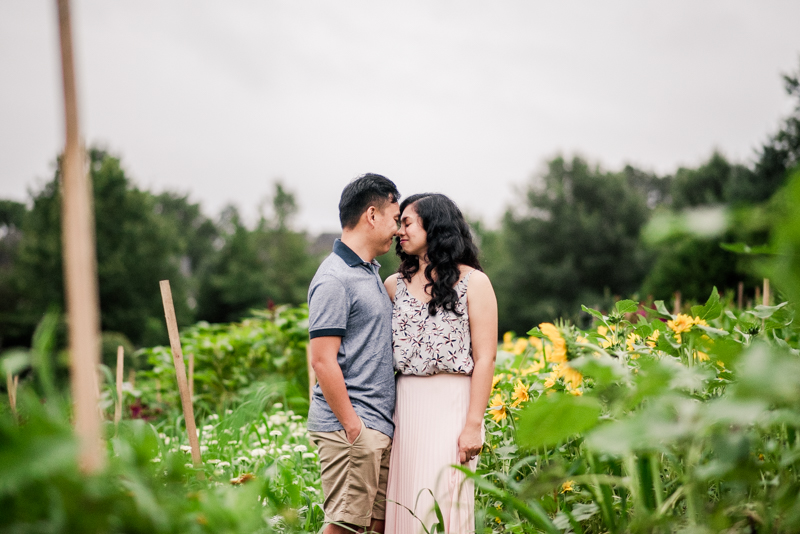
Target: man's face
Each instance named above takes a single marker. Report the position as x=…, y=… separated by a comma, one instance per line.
x=386, y=222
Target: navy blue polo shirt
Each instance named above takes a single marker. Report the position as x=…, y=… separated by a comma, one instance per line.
x=347, y=299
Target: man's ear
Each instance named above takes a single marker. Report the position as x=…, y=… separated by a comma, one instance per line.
x=370, y=215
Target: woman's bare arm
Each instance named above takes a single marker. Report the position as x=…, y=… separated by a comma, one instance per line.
x=482, y=309
x=391, y=285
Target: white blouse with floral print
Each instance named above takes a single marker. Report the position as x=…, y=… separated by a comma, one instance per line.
x=427, y=344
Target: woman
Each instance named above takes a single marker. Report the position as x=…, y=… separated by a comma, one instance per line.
x=444, y=332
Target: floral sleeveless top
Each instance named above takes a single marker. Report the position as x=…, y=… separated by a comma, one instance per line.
x=427, y=344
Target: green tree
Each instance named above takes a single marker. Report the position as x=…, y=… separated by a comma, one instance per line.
x=575, y=239
x=257, y=268
x=13, y=327
x=781, y=153
x=138, y=244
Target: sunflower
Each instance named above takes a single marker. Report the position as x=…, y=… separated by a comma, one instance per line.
x=559, y=352
x=497, y=406
x=520, y=394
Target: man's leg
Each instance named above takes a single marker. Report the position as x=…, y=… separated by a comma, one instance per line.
x=350, y=477
x=379, y=508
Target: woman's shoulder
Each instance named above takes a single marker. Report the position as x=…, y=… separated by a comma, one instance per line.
x=391, y=285
x=476, y=279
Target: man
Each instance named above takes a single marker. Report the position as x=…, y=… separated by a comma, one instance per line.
x=350, y=330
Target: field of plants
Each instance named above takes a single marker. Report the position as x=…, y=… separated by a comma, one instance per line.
x=640, y=419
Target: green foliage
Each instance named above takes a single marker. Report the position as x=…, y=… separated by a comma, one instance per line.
x=568, y=242
x=668, y=426
x=230, y=358
x=257, y=268
x=136, y=247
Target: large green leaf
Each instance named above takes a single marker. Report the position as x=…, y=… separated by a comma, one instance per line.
x=626, y=306
x=712, y=308
x=554, y=418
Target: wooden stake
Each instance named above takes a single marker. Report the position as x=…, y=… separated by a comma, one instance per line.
x=677, y=303
x=758, y=296
x=765, y=302
x=312, y=378
x=740, y=295
x=191, y=376
x=80, y=265
x=120, y=363
x=11, y=385
x=180, y=370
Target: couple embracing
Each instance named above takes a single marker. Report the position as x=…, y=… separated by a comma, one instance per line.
x=404, y=366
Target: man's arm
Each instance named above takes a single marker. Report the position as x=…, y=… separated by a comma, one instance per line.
x=324, y=351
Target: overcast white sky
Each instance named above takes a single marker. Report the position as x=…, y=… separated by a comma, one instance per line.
x=467, y=98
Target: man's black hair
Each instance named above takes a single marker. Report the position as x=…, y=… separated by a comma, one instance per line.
x=365, y=191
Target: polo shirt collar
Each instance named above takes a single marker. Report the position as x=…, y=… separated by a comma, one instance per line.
x=350, y=258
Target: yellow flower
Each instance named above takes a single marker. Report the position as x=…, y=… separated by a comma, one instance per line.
x=519, y=346
x=508, y=342
x=605, y=343
x=722, y=365
x=681, y=323
x=632, y=338
x=497, y=379
x=652, y=339
x=702, y=356
x=558, y=353
x=534, y=368
x=602, y=330
x=581, y=339
x=567, y=486
x=520, y=394
x=550, y=382
x=572, y=378
x=498, y=407
x=536, y=342
x=576, y=392
x=698, y=320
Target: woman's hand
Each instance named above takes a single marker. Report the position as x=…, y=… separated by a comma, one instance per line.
x=470, y=443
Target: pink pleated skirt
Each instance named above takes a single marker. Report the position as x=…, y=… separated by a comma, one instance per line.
x=429, y=416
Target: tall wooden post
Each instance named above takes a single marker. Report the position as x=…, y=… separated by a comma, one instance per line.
x=80, y=265
x=765, y=302
x=740, y=295
x=191, y=376
x=120, y=364
x=11, y=385
x=180, y=370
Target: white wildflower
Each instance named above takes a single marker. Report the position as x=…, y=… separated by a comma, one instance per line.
x=309, y=456
x=297, y=417
x=258, y=453
x=224, y=464
x=208, y=427
x=186, y=448
x=284, y=457
x=213, y=461
x=214, y=417
x=300, y=448
x=276, y=433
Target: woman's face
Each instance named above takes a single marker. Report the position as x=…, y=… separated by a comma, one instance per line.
x=413, y=237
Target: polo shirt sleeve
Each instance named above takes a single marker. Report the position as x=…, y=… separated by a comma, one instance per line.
x=328, y=308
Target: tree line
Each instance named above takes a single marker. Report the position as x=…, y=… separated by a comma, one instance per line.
x=579, y=234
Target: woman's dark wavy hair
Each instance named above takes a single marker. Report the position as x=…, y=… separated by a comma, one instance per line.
x=449, y=245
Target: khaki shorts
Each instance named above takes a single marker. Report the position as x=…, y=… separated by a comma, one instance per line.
x=354, y=476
